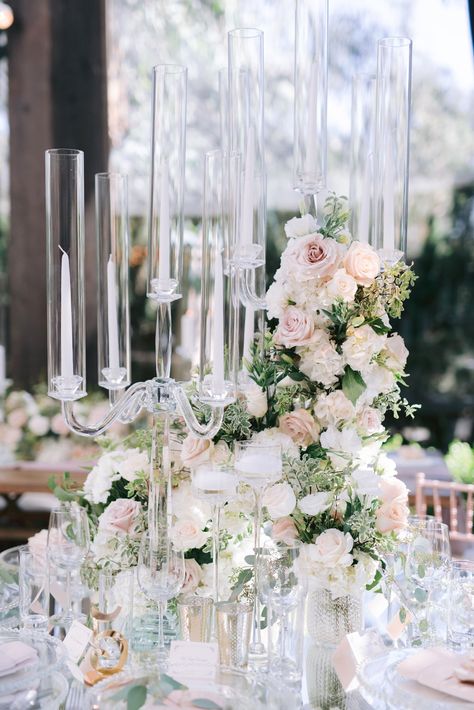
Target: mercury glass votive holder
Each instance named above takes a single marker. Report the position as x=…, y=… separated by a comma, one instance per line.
x=195, y=617
x=234, y=624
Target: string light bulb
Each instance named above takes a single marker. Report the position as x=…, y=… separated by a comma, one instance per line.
x=6, y=16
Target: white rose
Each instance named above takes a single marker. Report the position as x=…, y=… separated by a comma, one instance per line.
x=369, y=420
x=321, y=362
x=315, y=503
x=134, y=462
x=275, y=436
x=100, y=478
x=386, y=466
x=379, y=380
x=300, y=226
x=256, y=398
x=342, y=285
x=184, y=503
x=334, y=408
x=38, y=425
x=221, y=453
x=195, y=451
x=341, y=446
x=187, y=533
x=276, y=300
x=279, y=500
x=361, y=345
x=366, y=482
x=397, y=353
x=332, y=548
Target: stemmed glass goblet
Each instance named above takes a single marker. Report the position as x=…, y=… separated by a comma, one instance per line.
x=216, y=485
x=68, y=545
x=258, y=465
x=160, y=576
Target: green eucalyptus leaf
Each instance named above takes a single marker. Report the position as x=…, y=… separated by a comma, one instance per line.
x=352, y=384
x=421, y=595
x=206, y=704
x=421, y=571
x=402, y=615
x=423, y=626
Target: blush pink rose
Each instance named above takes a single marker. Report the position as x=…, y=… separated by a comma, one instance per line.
x=295, y=328
x=392, y=488
x=195, y=451
x=192, y=576
x=121, y=516
x=362, y=263
x=284, y=530
x=392, y=516
x=300, y=426
x=313, y=257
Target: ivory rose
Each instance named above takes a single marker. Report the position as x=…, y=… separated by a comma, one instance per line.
x=121, y=516
x=369, y=420
x=279, y=500
x=284, y=530
x=362, y=262
x=341, y=446
x=187, y=534
x=393, y=489
x=333, y=548
x=342, y=285
x=192, y=576
x=256, y=400
x=295, y=328
x=321, y=362
x=397, y=353
x=300, y=226
x=334, y=408
x=315, y=503
x=300, y=426
x=195, y=451
x=392, y=516
x=135, y=462
x=312, y=257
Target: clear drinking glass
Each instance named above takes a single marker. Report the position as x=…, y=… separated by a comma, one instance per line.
x=219, y=311
x=216, y=485
x=362, y=157
x=113, y=328
x=114, y=597
x=283, y=589
x=257, y=465
x=168, y=149
x=68, y=545
x=234, y=623
x=195, y=617
x=392, y=139
x=34, y=591
x=428, y=562
x=160, y=577
x=461, y=605
x=65, y=273
x=310, y=81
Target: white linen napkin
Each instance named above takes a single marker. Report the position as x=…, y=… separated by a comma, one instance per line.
x=15, y=655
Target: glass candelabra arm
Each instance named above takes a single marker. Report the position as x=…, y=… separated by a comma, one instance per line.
x=132, y=401
x=200, y=431
x=248, y=297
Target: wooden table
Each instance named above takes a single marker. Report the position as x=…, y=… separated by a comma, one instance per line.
x=21, y=477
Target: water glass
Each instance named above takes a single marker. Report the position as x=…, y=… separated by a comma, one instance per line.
x=195, y=617
x=112, y=601
x=234, y=624
x=34, y=592
x=461, y=605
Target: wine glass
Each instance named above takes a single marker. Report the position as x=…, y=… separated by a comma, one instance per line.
x=68, y=545
x=216, y=485
x=160, y=577
x=258, y=465
x=283, y=589
x=428, y=563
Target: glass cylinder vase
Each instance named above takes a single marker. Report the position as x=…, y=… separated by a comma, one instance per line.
x=310, y=107
x=168, y=148
x=361, y=190
x=392, y=129
x=65, y=273
x=329, y=620
x=113, y=328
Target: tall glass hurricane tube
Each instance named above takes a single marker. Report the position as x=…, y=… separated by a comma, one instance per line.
x=362, y=157
x=392, y=128
x=65, y=273
x=310, y=78
x=218, y=311
x=113, y=330
x=246, y=127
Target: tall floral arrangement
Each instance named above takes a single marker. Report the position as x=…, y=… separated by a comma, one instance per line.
x=321, y=380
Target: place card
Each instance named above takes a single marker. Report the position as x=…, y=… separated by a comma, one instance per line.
x=351, y=651
x=193, y=660
x=77, y=640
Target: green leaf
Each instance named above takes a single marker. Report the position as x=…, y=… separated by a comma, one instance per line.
x=423, y=626
x=379, y=326
x=136, y=697
x=207, y=704
x=402, y=615
x=63, y=495
x=421, y=571
x=352, y=384
x=250, y=559
x=421, y=595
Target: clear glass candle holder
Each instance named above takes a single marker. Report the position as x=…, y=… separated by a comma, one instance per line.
x=461, y=605
x=234, y=624
x=34, y=591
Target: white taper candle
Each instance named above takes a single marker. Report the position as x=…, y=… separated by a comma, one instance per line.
x=164, y=256
x=218, y=339
x=67, y=366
